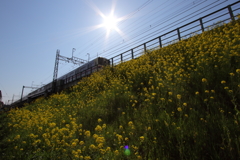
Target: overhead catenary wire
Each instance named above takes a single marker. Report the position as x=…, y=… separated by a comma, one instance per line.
x=126, y=17
x=133, y=23
x=186, y=8
x=144, y=38
x=139, y=33
x=150, y=35
x=119, y=24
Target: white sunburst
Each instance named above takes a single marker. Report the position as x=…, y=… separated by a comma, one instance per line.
x=110, y=22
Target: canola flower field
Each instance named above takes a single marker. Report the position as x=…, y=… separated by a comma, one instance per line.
x=179, y=102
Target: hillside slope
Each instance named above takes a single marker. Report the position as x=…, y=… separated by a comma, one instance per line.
x=178, y=102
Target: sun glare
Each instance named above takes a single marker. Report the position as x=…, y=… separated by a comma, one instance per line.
x=110, y=22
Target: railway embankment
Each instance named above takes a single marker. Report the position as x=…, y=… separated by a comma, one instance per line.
x=179, y=102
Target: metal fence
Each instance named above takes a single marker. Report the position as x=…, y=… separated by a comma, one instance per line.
x=197, y=26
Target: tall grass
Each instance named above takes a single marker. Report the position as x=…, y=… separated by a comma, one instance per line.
x=178, y=102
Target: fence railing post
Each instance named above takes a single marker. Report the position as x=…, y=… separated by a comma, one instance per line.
x=112, y=62
x=121, y=58
x=132, y=53
x=231, y=12
x=160, y=42
x=201, y=23
x=179, y=36
x=145, y=48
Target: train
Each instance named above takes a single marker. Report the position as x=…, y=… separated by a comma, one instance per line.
x=67, y=80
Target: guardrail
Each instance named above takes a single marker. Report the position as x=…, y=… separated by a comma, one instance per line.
x=199, y=25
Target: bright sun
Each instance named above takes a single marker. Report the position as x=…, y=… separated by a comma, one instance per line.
x=110, y=22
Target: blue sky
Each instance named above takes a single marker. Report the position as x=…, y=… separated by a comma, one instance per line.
x=32, y=30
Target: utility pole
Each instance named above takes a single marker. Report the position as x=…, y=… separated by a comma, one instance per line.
x=27, y=87
x=88, y=58
x=12, y=98
x=73, y=60
x=73, y=50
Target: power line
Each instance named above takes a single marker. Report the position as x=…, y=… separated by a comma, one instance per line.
x=119, y=24
x=127, y=17
x=185, y=9
x=150, y=35
x=139, y=33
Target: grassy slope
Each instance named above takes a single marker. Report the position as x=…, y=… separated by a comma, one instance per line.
x=179, y=102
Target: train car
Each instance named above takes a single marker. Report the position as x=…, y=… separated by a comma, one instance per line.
x=85, y=70
x=69, y=78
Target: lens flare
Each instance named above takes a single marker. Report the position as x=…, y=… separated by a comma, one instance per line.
x=127, y=151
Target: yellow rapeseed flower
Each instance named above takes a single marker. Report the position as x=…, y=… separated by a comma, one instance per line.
x=81, y=143
x=73, y=144
x=51, y=125
x=223, y=82
x=100, y=145
x=179, y=109
x=98, y=128
x=92, y=146
x=17, y=137
x=100, y=139
x=116, y=152
x=87, y=133
x=204, y=80
x=87, y=158
x=130, y=123
x=231, y=74
x=108, y=149
x=99, y=120
x=238, y=70
x=226, y=88
x=120, y=138
x=141, y=138
x=95, y=136
x=178, y=96
x=104, y=126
